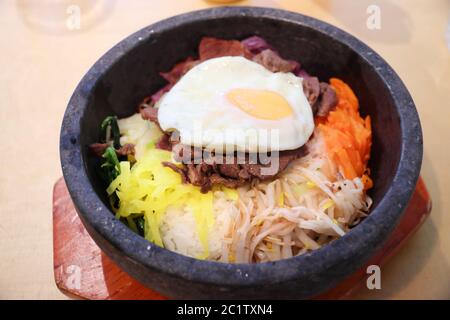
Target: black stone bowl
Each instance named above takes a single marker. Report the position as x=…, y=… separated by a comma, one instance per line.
x=129, y=71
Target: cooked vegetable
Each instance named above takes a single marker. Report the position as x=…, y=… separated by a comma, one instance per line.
x=348, y=136
x=110, y=167
x=110, y=123
x=149, y=188
x=136, y=223
x=140, y=225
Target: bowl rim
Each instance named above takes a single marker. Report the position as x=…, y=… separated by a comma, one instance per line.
x=364, y=237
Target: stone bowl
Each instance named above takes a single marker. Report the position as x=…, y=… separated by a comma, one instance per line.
x=130, y=71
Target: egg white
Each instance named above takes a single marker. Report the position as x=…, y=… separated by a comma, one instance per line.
x=197, y=107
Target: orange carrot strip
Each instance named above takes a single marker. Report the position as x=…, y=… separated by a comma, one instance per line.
x=347, y=136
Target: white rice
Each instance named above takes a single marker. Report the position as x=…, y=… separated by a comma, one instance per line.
x=178, y=229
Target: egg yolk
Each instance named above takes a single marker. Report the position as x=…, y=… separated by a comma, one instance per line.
x=261, y=104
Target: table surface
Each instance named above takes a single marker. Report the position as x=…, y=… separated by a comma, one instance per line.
x=43, y=56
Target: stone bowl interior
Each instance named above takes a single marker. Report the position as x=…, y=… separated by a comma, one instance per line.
x=130, y=71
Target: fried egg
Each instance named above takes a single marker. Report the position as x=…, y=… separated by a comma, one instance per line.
x=231, y=103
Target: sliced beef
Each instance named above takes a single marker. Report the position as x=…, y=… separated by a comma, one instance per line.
x=230, y=170
x=126, y=149
x=197, y=176
x=284, y=158
x=288, y=156
x=273, y=62
x=179, y=70
x=214, y=48
x=164, y=143
x=149, y=113
x=327, y=100
x=171, y=77
x=311, y=89
x=234, y=174
x=321, y=96
x=98, y=149
x=193, y=174
x=158, y=94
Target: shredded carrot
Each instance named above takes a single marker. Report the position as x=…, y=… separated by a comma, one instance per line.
x=348, y=136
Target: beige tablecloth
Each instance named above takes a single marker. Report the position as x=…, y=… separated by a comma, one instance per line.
x=44, y=54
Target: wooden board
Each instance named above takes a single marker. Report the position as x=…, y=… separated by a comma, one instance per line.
x=82, y=270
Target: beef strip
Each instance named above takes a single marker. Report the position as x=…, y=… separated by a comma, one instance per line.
x=158, y=94
x=284, y=158
x=126, y=149
x=321, y=96
x=273, y=62
x=98, y=149
x=198, y=176
x=311, y=89
x=179, y=70
x=149, y=113
x=171, y=77
x=327, y=100
x=214, y=48
x=164, y=143
x=208, y=173
x=231, y=170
